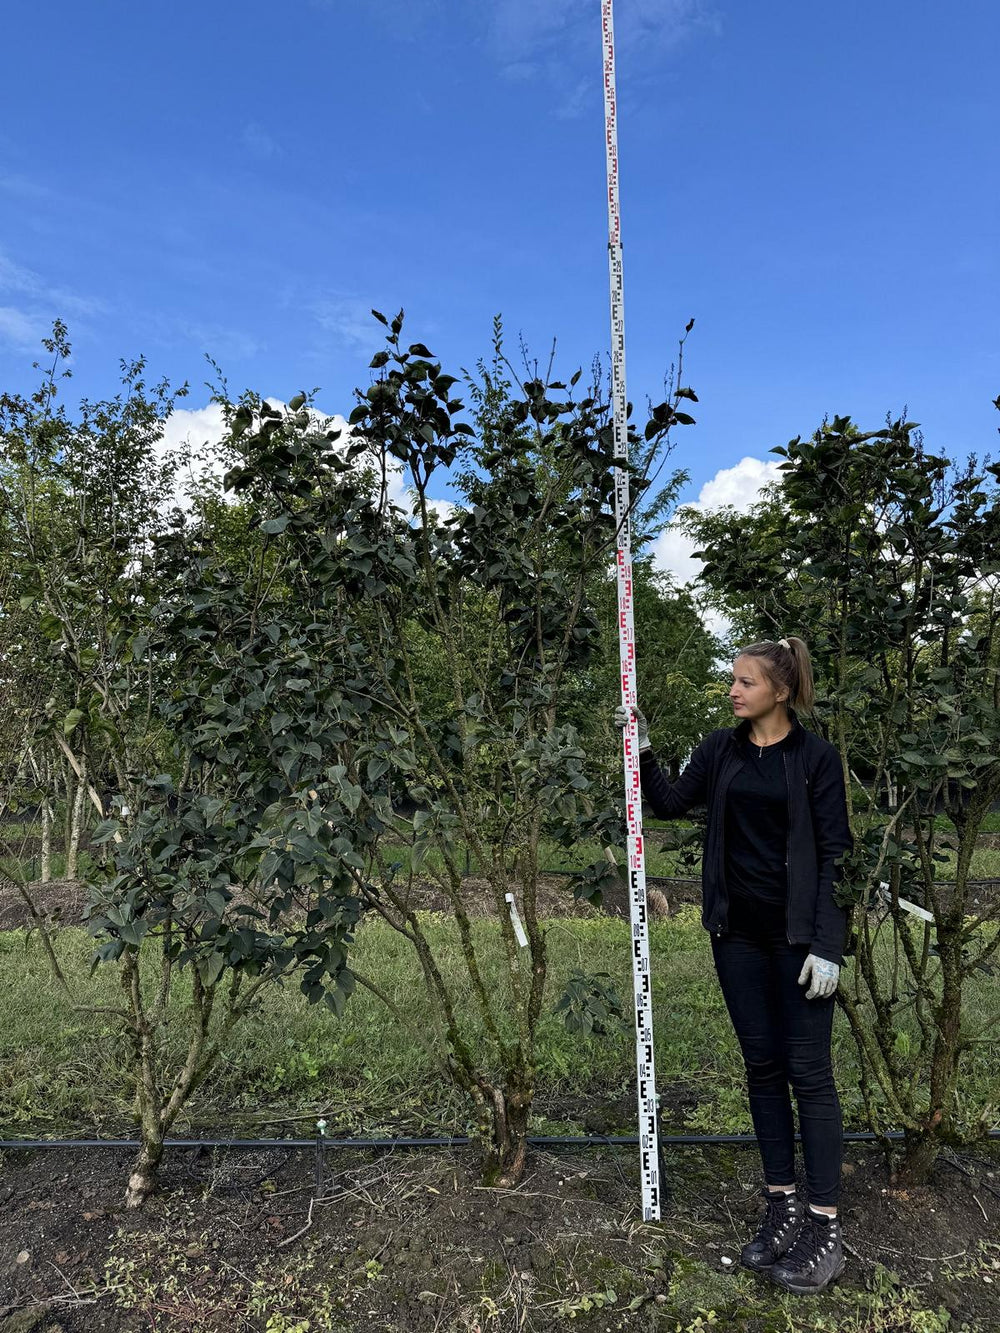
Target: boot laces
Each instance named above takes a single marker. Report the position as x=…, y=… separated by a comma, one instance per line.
x=810, y=1243
x=777, y=1219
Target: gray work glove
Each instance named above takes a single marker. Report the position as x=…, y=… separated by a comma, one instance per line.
x=822, y=976
x=621, y=720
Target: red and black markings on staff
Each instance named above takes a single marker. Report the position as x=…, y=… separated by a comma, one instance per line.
x=643, y=1006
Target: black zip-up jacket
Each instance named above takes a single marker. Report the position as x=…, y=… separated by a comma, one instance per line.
x=818, y=828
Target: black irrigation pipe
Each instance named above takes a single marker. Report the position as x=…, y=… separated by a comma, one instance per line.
x=695, y=882
x=454, y=1141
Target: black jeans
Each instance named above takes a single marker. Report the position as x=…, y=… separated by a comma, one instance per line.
x=785, y=1039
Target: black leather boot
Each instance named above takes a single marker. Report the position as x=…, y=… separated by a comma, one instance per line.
x=815, y=1260
x=777, y=1231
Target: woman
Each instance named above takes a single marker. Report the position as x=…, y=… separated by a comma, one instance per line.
x=777, y=822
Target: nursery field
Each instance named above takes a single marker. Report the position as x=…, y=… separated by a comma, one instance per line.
x=252, y=1239
x=276, y=764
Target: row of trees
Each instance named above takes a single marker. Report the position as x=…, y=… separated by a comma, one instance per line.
x=282, y=700
x=277, y=703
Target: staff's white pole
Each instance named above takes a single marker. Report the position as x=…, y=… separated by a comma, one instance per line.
x=648, y=1138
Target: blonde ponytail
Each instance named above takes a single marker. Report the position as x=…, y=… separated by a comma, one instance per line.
x=789, y=666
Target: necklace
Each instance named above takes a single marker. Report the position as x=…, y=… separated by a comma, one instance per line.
x=767, y=745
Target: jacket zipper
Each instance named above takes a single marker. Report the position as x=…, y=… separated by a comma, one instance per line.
x=788, y=849
x=720, y=803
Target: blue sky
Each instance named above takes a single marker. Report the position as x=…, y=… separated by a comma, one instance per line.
x=816, y=184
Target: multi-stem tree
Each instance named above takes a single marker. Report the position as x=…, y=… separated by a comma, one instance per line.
x=192, y=681
x=497, y=600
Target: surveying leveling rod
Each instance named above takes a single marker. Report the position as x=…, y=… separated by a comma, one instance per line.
x=648, y=1138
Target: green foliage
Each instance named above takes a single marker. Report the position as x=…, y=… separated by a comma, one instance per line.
x=585, y=1302
x=590, y=1004
x=457, y=646
x=66, y=1074
x=273, y=691
x=884, y=558
x=221, y=833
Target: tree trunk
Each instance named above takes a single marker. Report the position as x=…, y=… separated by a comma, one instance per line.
x=142, y=1178
x=73, y=846
x=920, y=1152
x=507, y=1150
x=46, y=841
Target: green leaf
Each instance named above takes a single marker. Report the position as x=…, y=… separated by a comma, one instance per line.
x=210, y=968
x=72, y=720
x=273, y=526
x=104, y=831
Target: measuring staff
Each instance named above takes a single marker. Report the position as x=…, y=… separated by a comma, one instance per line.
x=649, y=1150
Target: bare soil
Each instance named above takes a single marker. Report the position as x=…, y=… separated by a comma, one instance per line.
x=62, y=901
x=412, y=1241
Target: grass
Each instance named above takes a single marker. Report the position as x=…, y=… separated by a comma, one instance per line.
x=660, y=861
x=552, y=858
x=64, y=1073
x=985, y=864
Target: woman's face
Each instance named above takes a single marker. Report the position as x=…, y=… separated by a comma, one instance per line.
x=752, y=694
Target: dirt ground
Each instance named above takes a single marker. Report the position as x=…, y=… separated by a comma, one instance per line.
x=246, y=1240
x=61, y=901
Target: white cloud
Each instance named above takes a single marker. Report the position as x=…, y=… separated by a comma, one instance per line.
x=443, y=508
x=193, y=436
x=349, y=321
x=23, y=281
x=738, y=487
x=554, y=43
x=219, y=341
x=16, y=278
x=402, y=494
x=551, y=40
x=23, y=330
x=23, y=326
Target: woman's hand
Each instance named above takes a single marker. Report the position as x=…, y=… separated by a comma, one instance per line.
x=822, y=976
x=621, y=720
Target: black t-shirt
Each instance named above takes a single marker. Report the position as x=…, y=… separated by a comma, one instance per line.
x=757, y=827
